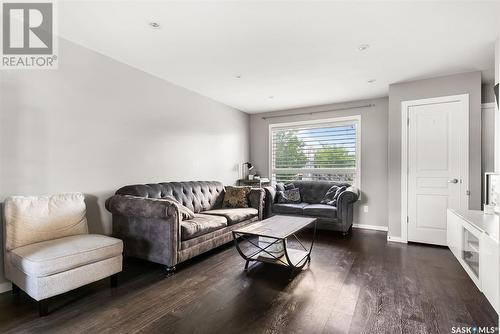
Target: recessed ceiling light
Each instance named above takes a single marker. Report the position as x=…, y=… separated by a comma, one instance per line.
x=238, y=76
x=154, y=25
x=270, y=97
x=372, y=80
x=363, y=47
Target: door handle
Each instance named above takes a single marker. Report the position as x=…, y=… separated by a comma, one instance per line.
x=453, y=181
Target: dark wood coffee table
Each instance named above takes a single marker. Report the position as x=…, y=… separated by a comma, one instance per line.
x=273, y=234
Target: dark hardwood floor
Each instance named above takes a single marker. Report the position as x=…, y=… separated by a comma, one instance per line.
x=361, y=284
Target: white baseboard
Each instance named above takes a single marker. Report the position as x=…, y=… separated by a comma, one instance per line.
x=370, y=227
x=5, y=286
x=395, y=239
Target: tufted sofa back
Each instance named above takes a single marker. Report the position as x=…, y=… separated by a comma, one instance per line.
x=313, y=191
x=196, y=195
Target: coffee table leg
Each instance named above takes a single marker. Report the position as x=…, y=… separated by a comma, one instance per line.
x=246, y=265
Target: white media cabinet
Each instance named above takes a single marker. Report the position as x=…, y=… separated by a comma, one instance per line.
x=472, y=237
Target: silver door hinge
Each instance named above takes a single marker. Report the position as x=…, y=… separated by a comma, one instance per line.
x=467, y=192
x=407, y=220
x=408, y=121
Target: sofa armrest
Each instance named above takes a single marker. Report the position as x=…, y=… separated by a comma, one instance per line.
x=149, y=228
x=127, y=205
x=269, y=200
x=256, y=199
x=345, y=205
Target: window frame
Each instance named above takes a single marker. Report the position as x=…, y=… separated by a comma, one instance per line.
x=337, y=121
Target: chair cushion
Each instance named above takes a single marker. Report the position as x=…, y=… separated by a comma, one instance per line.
x=33, y=219
x=54, y=256
x=201, y=224
x=321, y=210
x=292, y=209
x=234, y=216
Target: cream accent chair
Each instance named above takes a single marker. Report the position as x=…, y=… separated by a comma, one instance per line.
x=47, y=248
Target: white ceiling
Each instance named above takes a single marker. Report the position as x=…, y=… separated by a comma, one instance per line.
x=301, y=53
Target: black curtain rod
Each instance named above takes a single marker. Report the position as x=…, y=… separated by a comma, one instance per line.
x=322, y=111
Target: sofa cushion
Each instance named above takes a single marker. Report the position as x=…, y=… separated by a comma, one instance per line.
x=201, y=224
x=33, y=219
x=54, y=256
x=234, y=216
x=320, y=210
x=209, y=237
x=292, y=209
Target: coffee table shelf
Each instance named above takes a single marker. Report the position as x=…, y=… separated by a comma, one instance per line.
x=296, y=257
x=276, y=230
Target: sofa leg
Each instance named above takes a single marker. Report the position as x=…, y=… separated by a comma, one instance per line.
x=113, y=280
x=15, y=289
x=43, y=307
x=348, y=232
x=170, y=270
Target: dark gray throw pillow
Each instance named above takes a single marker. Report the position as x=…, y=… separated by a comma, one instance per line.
x=337, y=195
x=291, y=196
x=330, y=195
x=280, y=187
x=332, y=200
x=289, y=186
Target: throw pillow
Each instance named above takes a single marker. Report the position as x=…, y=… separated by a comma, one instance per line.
x=339, y=191
x=330, y=195
x=280, y=187
x=291, y=196
x=289, y=186
x=236, y=197
x=186, y=213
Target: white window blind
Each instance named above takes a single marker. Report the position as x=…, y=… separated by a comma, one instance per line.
x=326, y=150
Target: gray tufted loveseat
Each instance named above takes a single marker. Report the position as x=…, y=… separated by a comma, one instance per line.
x=152, y=229
x=337, y=218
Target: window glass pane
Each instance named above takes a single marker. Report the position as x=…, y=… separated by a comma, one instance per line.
x=319, y=152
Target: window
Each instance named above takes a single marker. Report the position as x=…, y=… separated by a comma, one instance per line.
x=317, y=150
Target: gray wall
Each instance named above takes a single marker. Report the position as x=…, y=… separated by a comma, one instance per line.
x=96, y=124
x=487, y=93
x=466, y=83
x=373, y=151
x=487, y=144
x=487, y=133
x=497, y=60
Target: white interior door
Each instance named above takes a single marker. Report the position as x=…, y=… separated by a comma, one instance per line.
x=437, y=165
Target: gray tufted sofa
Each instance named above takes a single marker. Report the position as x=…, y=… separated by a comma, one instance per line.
x=337, y=218
x=152, y=229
